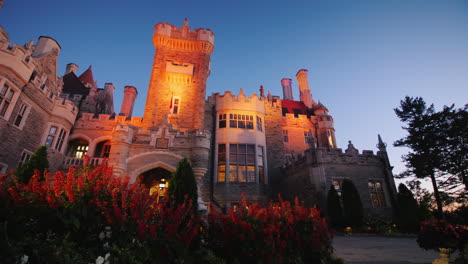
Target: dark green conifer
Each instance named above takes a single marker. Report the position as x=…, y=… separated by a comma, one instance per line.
x=334, y=209
x=183, y=184
x=408, y=210
x=38, y=161
x=352, y=205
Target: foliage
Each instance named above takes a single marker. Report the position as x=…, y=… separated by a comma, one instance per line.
x=78, y=216
x=280, y=233
x=79, y=205
x=438, y=149
x=437, y=234
x=182, y=185
x=408, y=218
x=334, y=209
x=352, y=205
x=38, y=161
x=376, y=224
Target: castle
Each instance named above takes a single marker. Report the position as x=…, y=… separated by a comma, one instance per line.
x=258, y=145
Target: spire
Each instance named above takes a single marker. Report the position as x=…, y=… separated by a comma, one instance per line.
x=381, y=145
x=262, y=92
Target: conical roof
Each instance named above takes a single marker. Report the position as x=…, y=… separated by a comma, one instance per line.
x=87, y=77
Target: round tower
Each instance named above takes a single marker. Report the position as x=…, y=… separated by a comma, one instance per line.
x=304, y=89
x=177, y=85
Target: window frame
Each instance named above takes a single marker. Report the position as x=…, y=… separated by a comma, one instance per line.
x=377, y=196
x=11, y=89
x=23, y=113
x=25, y=156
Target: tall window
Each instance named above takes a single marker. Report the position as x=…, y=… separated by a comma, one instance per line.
x=241, y=163
x=51, y=137
x=20, y=118
x=25, y=156
x=285, y=136
x=259, y=124
x=260, y=163
x=377, y=193
x=6, y=95
x=222, y=120
x=221, y=162
x=176, y=105
x=60, y=139
x=307, y=136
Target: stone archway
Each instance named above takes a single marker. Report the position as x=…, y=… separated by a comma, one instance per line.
x=156, y=180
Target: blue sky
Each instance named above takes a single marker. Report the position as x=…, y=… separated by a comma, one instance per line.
x=363, y=57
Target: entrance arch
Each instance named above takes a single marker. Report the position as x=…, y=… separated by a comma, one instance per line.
x=156, y=180
x=144, y=162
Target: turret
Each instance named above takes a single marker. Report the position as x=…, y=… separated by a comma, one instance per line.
x=45, y=45
x=130, y=94
x=304, y=89
x=287, y=89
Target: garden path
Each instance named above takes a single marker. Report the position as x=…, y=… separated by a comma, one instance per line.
x=382, y=250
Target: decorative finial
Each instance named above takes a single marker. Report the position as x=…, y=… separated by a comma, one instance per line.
x=381, y=145
x=186, y=22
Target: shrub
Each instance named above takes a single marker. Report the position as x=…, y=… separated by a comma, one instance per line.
x=438, y=234
x=183, y=185
x=334, y=209
x=38, y=161
x=408, y=218
x=279, y=233
x=352, y=205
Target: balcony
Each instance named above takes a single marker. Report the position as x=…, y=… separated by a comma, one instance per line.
x=78, y=162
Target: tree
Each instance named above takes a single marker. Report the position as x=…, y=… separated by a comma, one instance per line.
x=352, y=205
x=182, y=185
x=438, y=146
x=334, y=209
x=408, y=208
x=38, y=161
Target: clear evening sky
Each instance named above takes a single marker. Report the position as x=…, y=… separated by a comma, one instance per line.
x=363, y=57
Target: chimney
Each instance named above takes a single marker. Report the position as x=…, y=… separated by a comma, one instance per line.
x=130, y=94
x=287, y=89
x=71, y=67
x=304, y=89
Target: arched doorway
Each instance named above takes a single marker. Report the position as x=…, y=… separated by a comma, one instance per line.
x=156, y=180
x=103, y=149
x=77, y=148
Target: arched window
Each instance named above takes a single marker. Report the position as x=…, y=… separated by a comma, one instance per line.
x=103, y=149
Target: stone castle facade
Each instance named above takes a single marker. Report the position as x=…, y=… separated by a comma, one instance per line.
x=258, y=145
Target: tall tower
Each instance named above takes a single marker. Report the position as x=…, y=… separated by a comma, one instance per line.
x=181, y=67
x=304, y=89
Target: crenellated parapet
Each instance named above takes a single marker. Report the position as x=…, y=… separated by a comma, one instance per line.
x=229, y=101
x=17, y=58
x=65, y=109
x=183, y=38
x=105, y=122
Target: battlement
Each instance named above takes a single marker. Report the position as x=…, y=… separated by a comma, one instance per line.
x=65, y=109
x=105, y=122
x=183, y=38
x=229, y=101
x=17, y=57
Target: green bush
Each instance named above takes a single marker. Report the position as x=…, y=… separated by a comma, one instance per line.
x=408, y=208
x=38, y=161
x=182, y=185
x=334, y=209
x=352, y=205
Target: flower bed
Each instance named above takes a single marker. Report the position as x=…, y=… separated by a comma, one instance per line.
x=437, y=234
x=81, y=215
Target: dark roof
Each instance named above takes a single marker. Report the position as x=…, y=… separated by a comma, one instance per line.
x=73, y=85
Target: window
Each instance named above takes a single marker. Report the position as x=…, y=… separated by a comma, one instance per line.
x=221, y=162
x=377, y=194
x=77, y=148
x=6, y=95
x=25, y=156
x=61, y=138
x=241, y=163
x=259, y=124
x=222, y=120
x=260, y=163
x=241, y=121
x=285, y=136
x=175, y=105
x=21, y=117
x=307, y=136
x=51, y=95
x=51, y=137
